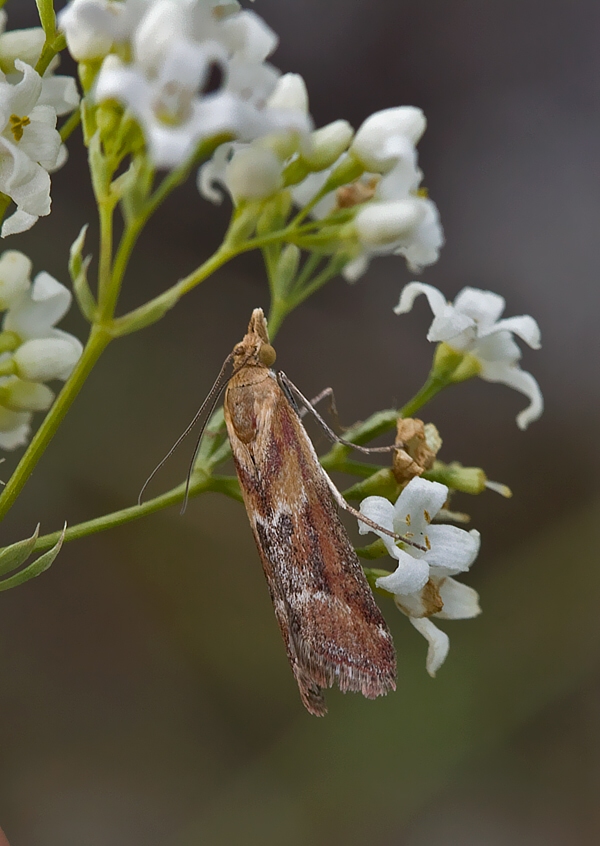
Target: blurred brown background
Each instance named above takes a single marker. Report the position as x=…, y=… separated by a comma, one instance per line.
x=145, y=696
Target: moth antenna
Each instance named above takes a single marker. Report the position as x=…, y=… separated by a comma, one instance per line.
x=217, y=388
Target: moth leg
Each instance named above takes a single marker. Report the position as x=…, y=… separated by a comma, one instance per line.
x=326, y=393
x=366, y=520
x=292, y=391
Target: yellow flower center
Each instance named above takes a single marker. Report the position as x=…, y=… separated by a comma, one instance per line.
x=17, y=125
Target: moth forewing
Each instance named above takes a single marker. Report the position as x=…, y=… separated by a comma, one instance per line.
x=332, y=628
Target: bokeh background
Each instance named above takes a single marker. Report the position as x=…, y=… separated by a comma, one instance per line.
x=145, y=696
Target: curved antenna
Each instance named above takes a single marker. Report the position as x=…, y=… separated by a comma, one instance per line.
x=216, y=388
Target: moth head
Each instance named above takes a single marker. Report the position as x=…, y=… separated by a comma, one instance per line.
x=255, y=347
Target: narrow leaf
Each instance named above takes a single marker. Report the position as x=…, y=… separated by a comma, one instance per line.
x=78, y=271
x=13, y=556
x=37, y=568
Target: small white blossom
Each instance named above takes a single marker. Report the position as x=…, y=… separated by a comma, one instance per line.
x=30, y=146
x=422, y=584
x=472, y=325
x=34, y=350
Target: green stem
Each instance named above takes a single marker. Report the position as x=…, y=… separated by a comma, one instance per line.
x=47, y=17
x=432, y=386
x=132, y=320
x=51, y=48
x=106, y=295
x=94, y=348
x=221, y=484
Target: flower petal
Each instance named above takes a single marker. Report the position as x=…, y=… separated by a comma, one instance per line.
x=44, y=305
x=20, y=221
x=461, y=602
x=417, y=505
x=378, y=509
x=453, y=550
x=16, y=437
x=437, y=301
x=521, y=381
x=409, y=577
x=496, y=347
x=524, y=326
x=484, y=307
x=439, y=643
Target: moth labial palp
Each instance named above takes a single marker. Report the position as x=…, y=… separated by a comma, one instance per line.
x=333, y=630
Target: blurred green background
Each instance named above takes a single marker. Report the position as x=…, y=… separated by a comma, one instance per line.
x=145, y=696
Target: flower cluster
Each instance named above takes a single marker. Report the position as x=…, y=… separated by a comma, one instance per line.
x=32, y=350
x=30, y=146
x=193, y=70
x=423, y=585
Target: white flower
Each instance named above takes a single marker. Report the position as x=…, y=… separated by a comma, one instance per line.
x=472, y=325
x=46, y=352
x=34, y=351
x=30, y=146
x=196, y=72
x=422, y=584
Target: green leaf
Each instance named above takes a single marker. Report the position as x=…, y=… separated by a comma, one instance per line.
x=13, y=556
x=36, y=568
x=78, y=270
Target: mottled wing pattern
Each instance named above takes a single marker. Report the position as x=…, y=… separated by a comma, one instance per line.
x=332, y=627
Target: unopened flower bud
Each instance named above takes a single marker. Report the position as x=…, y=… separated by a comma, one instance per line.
x=289, y=93
x=19, y=395
x=387, y=136
x=253, y=173
x=382, y=224
x=328, y=143
x=85, y=41
x=42, y=359
x=24, y=44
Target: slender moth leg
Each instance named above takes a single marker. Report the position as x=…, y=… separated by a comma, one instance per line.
x=291, y=390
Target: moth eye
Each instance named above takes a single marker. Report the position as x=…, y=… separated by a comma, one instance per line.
x=267, y=355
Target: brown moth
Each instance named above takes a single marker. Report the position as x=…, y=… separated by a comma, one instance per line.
x=333, y=630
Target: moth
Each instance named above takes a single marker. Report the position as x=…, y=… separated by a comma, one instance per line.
x=332, y=628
